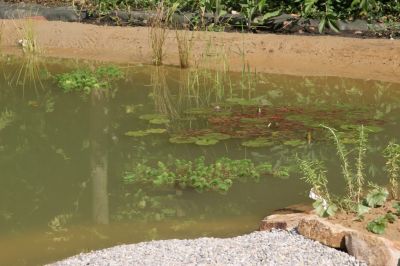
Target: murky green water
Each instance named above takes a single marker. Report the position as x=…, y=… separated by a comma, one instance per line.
x=63, y=155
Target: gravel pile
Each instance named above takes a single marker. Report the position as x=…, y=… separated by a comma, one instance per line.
x=258, y=248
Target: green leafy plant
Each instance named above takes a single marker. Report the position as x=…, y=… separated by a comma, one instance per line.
x=377, y=197
x=378, y=225
x=85, y=80
x=396, y=206
x=314, y=173
x=198, y=175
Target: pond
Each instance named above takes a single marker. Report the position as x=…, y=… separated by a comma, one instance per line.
x=85, y=169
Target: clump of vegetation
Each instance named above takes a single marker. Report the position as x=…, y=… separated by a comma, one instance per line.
x=256, y=12
x=392, y=155
x=184, y=39
x=356, y=200
x=85, y=80
x=198, y=175
x=158, y=34
x=315, y=174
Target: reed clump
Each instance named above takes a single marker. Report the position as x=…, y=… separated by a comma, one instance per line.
x=158, y=34
x=184, y=39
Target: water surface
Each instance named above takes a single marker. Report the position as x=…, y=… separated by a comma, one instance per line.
x=63, y=155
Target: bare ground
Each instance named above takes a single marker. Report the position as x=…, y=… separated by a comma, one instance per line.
x=269, y=53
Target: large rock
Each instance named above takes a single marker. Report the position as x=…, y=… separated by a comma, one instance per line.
x=323, y=231
x=375, y=250
x=372, y=249
x=281, y=221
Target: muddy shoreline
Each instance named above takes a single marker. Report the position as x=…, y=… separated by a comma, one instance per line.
x=376, y=59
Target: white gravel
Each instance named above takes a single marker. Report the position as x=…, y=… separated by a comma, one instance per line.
x=258, y=248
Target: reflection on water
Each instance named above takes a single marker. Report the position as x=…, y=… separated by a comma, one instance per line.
x=63, y=155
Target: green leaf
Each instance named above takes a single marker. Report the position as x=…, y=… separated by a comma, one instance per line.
x=378, y=225
x=377, y=197
x=331, y=210
x=271, y=14
x=396, y=206
x=319, y=208
x=390, y=217
x=321, y=25
x=362, y=209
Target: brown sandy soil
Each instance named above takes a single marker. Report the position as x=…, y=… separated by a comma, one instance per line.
x=285, y=54
x=392, y=231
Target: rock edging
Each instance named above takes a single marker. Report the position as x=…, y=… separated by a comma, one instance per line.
x=372, y=249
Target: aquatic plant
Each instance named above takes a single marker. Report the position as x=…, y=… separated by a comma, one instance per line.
x=392, y=155
x=85, y=80
x=142, y=133
x=184, y=39
x=196, y=174
x=158, y=34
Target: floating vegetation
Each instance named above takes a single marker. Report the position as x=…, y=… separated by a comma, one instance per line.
x=85, y=80
x=294, y=142
x=217, y=136
x=142, y=133
x=152, y=116
x=198, y=175
x=198, y=111
x=371, y=128
x=258, y=143
x=204, y=141
x=159, y=121
x=183, y=139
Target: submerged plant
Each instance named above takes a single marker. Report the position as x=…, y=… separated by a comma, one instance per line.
x=392, y=155
x=6, y=117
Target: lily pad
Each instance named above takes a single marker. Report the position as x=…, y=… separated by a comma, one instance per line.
x=156, y=130
x=153, y=116
x=217, y=136
x=198, y=111
x=294, y=142
x=373, y=129
x=202, y=141
x=159, y=121
x=182, y=140
x=305, y=119
x=142, y=133
x=137, y=133
x=258, y=143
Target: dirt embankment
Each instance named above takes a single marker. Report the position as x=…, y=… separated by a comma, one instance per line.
x=286, y=54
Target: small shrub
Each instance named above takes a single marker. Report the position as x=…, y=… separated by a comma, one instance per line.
x=392, y=155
